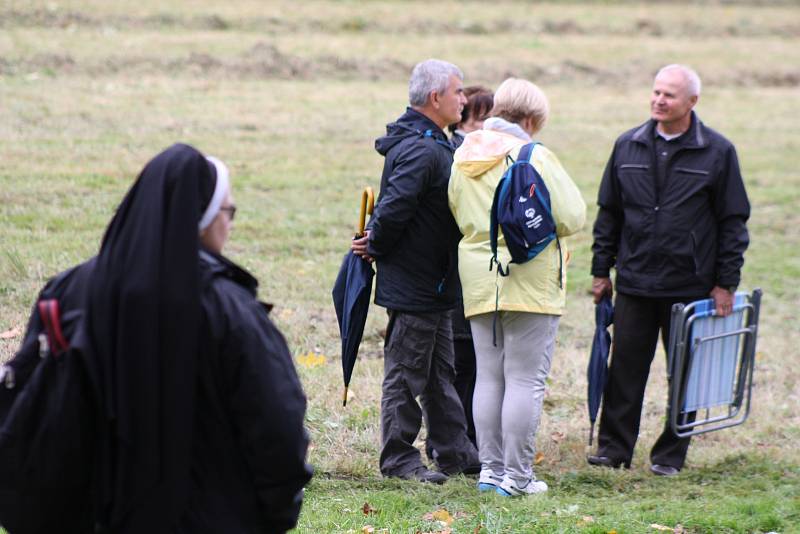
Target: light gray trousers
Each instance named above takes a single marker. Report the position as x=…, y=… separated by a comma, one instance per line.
x=510, y=388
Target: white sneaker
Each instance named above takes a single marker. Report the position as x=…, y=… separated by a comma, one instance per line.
x=488, y=481
x=509, y=488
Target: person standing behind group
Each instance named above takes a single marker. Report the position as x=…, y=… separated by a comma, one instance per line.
x=412, y=237
x=672, y=222
x=511, y=375
x=476, y=110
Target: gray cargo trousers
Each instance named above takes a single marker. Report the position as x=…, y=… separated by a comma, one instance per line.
x=418, y=362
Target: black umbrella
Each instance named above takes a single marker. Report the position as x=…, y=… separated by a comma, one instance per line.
x=351, y=294
x=597, y=371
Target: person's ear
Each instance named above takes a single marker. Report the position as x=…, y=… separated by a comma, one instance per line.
x=693, y=100
x=435, y=99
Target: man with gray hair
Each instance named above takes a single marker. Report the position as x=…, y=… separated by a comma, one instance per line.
x=671, y=221
x=413, y=238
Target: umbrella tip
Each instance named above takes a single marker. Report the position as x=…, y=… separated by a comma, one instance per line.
x=344, y=397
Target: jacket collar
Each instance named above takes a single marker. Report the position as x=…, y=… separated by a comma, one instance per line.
x=422, y=122
x=219, y=265
x=695, y=137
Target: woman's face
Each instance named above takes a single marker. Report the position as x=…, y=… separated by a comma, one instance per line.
x=472, y=124
x=216, y=234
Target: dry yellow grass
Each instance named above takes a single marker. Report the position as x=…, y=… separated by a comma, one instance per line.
x=291, y=95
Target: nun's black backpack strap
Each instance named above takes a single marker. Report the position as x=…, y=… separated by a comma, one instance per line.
x=47, y=429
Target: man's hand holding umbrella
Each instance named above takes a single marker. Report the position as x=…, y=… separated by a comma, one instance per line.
x=359, y=247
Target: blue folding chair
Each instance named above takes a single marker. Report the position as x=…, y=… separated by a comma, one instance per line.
x=711, y=362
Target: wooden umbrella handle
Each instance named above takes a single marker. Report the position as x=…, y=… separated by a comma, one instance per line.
x=367, y=205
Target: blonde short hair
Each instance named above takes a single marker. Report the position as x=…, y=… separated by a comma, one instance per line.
x=517, y=99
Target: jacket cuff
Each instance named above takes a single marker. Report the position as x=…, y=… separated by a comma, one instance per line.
x=601, y=271
x=728, y=283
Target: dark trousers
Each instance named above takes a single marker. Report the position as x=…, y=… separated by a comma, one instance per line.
x=637, y=321
x=465, y=381
x=418, y=362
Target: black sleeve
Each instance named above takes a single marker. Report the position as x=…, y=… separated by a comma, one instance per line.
x=268, y=406
x=400, y=197
x=608, y=225
x=732, y=209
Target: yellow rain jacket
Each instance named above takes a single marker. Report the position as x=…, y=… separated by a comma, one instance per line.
x=478, y=165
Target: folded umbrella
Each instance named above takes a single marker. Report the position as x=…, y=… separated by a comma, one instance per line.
x=351, y=295
x=597, y=371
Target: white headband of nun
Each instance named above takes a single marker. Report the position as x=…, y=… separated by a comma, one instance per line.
x=220, y=190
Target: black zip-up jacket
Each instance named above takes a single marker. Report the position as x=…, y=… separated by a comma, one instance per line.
x=683, y=237
x=413, y=236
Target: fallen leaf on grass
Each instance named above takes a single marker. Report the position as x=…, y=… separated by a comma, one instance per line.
x=368, y=529
x=477, y=530
x=441, y=515
x=538, y=459
x=11, y=334
x=367, y=509
x=677, y=529
x=558, y=437
x=311, y=359
x=585, y=520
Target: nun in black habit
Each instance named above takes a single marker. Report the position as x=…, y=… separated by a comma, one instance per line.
x=202, y=410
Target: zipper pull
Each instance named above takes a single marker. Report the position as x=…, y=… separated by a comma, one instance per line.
x=44, y=346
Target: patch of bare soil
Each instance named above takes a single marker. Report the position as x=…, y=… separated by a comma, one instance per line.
x=266, y=61
x=60, y=18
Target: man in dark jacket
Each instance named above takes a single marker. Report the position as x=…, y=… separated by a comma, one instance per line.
x=671, y=221
x=413, y=237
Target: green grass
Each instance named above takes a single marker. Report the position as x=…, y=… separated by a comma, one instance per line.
x=292, y=95
x=738, y=494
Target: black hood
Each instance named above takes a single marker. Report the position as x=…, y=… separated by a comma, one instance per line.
x=411, y=124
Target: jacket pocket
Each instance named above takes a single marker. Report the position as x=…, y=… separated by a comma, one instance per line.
x=687, y=170
x=635, y=184
x=412, y=341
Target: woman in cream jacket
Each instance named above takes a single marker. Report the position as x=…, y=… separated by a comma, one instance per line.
x=511, y=375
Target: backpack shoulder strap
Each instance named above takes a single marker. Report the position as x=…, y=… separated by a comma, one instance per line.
x=51, y=318
x=526, y=152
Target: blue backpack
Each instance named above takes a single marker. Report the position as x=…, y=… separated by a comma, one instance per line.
x=521, y=208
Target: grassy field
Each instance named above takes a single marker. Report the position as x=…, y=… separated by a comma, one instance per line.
x=291, y=95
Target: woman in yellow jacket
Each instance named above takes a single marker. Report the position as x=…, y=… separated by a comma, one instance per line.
x=511, y=375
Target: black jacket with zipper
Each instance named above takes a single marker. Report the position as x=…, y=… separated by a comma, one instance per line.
x=413, y=236
x=680, y=238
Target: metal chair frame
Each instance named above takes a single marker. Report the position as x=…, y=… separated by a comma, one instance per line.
x=682, y=348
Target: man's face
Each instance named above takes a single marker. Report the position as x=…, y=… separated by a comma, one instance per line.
x=670, y=100
x=452, y=101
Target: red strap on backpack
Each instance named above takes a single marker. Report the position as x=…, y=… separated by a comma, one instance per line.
x=51, y=317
